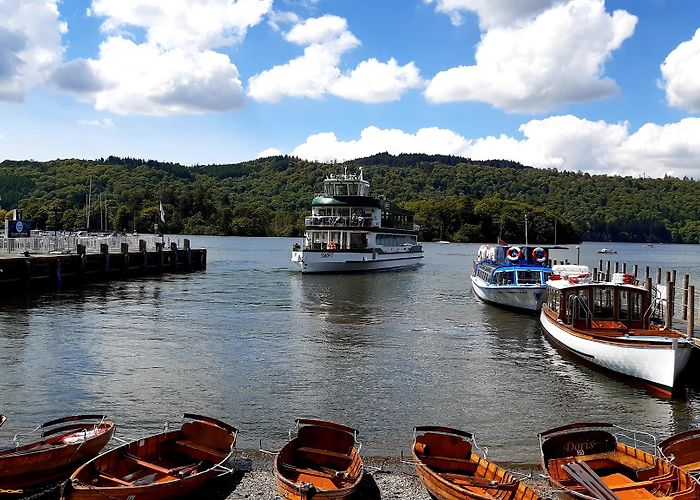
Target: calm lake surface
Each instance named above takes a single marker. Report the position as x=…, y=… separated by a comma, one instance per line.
x=255, y=343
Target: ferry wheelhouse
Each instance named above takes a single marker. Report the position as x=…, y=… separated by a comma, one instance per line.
x=609, y=324
x=349, y=230
x=512, y=276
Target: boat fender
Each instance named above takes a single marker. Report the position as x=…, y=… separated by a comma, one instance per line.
x=539, y=254
x=513, y=253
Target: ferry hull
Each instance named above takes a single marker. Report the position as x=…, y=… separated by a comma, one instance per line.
x=656, y=365
x=344, y=261
x=527, y=299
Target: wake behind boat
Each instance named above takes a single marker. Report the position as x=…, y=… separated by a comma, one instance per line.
x=349, y=230
x=512, y=276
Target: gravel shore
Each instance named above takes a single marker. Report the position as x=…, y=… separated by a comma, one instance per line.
x=386, y=478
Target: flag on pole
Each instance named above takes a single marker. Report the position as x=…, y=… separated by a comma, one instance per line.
x=162, y=212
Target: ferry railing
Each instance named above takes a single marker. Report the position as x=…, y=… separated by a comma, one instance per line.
x=68, y=243
x=336, y=221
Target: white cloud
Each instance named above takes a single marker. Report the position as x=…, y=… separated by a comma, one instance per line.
x=373, y=81
x=30, y=45
x=681, y=75
x=99, y=123
x=277, y=17
x=539, y=65
x=316, y=73
x=565, y=142
x=492, y=12
x=192, y=24
x=176, y=69
x=265, y=153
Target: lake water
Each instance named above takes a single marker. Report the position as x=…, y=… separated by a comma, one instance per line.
x=257, y=344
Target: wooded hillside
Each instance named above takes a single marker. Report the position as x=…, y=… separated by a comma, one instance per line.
x=454, y=198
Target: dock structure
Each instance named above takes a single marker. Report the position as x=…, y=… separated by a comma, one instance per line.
x=667, y=295
x=51, y=271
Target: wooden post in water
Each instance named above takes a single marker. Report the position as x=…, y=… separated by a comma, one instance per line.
x=188, y=255
x=600, y=265
x=658, y=276
x=691, y=312
x=173, y=249
x=685, y=296
x=668, y=320
x=594, y=276
x=125, y=258
x=104, y=250
x=159, y=260
x=624, y=267
x=144, y=256
x=646, y=273
x=635, y=270
x=617, y=267
x=607, y=271
x=673, y=275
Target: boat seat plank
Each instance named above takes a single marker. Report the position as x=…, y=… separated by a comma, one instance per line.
x=616, y=456
x=327, y=453
x=582, y=473
x=115, y=480
x=464, y=464
x=308, y=472
x=144, y=463
x=690, y=467
x=199, y=447
x=479, y=482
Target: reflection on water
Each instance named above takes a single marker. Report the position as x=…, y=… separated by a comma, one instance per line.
x=257, y=344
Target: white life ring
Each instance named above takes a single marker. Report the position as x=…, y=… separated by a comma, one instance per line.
x=513, y=253
x=539, y=254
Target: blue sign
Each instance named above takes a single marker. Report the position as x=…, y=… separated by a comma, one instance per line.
x=18, y=228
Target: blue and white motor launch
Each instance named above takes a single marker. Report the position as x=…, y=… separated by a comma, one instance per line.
x=511, y=276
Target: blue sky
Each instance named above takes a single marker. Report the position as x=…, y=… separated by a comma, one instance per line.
x=593, y=85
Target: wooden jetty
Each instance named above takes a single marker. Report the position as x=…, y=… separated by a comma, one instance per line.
x=30, y=272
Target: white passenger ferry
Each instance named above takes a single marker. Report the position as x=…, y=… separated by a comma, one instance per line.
x=349, y=230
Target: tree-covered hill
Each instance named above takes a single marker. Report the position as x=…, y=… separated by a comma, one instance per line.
x=454, y=198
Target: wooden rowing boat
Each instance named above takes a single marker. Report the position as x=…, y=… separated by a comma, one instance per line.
x=321, y=462
x=683, y=450
x=587, y=460
x=172, y=464
x=66, y=443
x=449, y=468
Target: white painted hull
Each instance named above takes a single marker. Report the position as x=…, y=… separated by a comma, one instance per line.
x=659, y=365
x=524, y=297
x=343, y=261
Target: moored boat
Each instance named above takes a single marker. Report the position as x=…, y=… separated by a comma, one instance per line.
x=607, y=250
x=590, y=460
x=65, y=444
x=683, y=450
x=349, y=230
x=321, y=462
x=449, y=468
x=609, y=324
x=511, y=276
x=171, y=464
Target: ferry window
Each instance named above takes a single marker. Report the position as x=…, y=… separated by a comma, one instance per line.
x=503, y=278
x=603, y=303
x=528, y=277
x=624, y=305
x=582, y=300
x=358, y=241
x=636, y=307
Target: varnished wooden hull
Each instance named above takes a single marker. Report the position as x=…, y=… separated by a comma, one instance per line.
x=582, y=459
x=450, y=471
x=320, y=463
x=683, y=450
x=52, y=459
x=173, y=464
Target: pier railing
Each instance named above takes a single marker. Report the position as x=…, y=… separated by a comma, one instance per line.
x=68, y=244
x=333, y=221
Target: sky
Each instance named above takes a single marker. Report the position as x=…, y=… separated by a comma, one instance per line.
x=600, y=86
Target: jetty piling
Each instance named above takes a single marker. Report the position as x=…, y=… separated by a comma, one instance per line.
x=684, y=309
x=32, y=272
x=691, y=312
